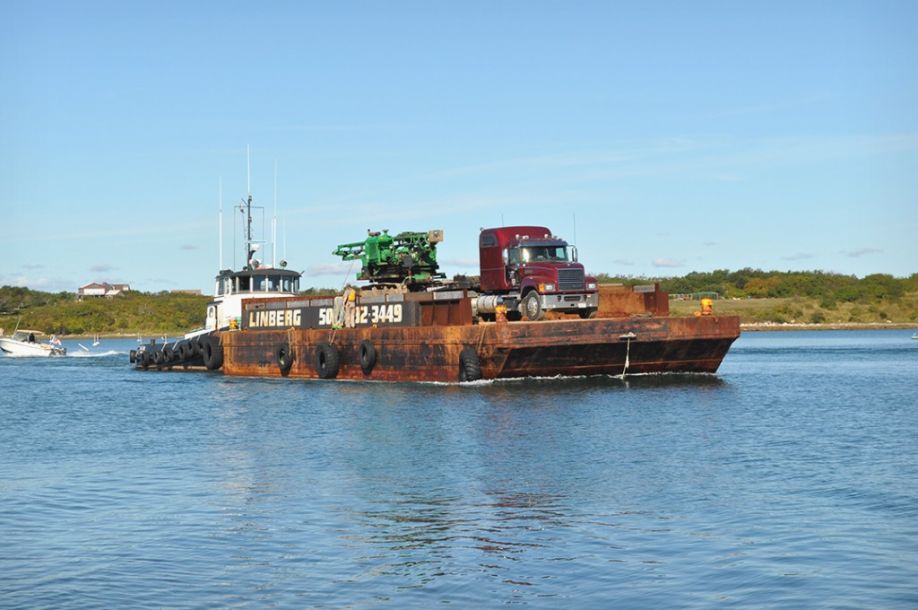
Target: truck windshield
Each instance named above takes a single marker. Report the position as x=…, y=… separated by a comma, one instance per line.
x=532, y=254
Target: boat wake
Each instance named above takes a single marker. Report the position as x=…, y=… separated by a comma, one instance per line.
x=110, y=352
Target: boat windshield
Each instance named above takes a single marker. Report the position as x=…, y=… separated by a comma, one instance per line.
x=31, y=336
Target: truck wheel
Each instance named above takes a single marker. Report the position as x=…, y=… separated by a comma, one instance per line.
x=531, y=307
x=587, y=313
x=469, y=364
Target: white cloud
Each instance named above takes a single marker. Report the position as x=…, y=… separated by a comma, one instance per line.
x=797, y=256
x=102, y=268
x=46, y=284
x=861, y=252
x=460, y=262
x=338, y=269
x=667, y=262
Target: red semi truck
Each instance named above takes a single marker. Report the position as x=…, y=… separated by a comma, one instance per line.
x=535, y=271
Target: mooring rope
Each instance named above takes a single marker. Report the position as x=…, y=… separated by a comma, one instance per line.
x=629, y=336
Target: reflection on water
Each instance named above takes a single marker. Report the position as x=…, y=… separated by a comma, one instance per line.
x=787, y=480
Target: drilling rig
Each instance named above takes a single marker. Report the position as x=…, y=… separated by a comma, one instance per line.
x=408, y=259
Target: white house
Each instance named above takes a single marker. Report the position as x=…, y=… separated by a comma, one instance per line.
x=102, y=289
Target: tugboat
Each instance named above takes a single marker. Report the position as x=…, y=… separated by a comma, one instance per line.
x=232, y=289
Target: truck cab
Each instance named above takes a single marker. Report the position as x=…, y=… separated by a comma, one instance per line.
x=535, y=271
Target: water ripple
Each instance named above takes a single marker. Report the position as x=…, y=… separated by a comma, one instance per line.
x=785, y=482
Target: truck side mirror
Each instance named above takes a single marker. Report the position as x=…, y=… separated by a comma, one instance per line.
x=504, y=256
x=574, y=253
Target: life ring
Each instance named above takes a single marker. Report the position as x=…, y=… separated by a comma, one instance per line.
x=367, y=356
x=285, y=358
x=469, y=364
x=212, y=352
x=327, y=360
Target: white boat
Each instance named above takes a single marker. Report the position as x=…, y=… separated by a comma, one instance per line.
x=27, y=343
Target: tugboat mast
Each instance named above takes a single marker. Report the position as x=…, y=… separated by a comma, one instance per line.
x=249, y=244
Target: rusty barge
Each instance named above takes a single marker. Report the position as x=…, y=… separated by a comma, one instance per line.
x=532, y=313
x=446, y=345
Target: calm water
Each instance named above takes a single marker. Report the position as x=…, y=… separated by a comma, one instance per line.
x=790, y=480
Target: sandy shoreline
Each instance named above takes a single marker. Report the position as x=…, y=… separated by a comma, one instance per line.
x=774, y=326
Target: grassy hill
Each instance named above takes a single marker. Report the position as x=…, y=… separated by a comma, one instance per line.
x=801, y=297
x=806, y=310
x=133, y=312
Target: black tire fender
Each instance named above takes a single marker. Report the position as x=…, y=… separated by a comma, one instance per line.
x=212, y=351
x=327, y=360
x=285, y=357
x=469, y=364
x=367, y=356
x=133, y=356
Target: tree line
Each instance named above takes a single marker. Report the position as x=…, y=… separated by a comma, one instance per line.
x=827, y=288
x=165, y=312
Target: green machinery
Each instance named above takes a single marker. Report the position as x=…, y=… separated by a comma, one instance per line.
x=409, y=258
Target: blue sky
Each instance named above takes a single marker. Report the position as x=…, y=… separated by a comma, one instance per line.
x=669, y=136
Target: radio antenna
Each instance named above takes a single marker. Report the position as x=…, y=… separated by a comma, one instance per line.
x=274, y=222
x=220, y=188
x=245, y=208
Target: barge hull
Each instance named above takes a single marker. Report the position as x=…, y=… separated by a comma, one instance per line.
x=522, y=349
